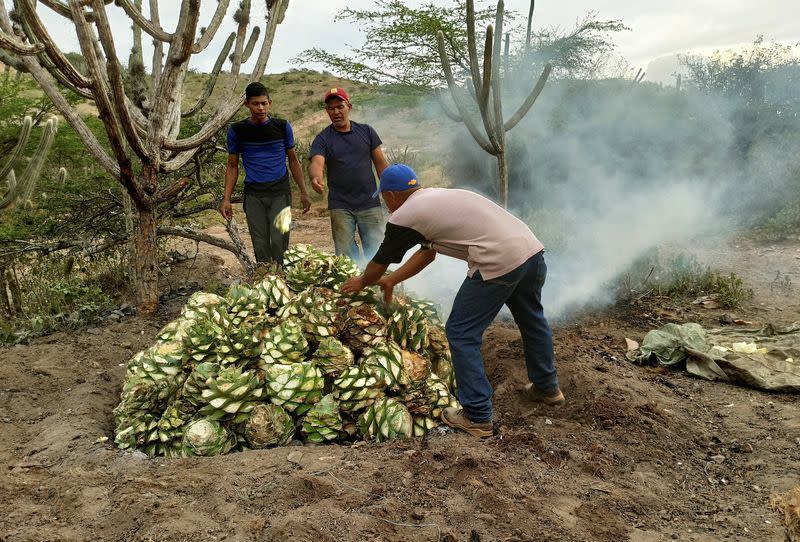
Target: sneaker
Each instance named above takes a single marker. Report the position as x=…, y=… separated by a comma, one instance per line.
x=455, y=418
x=553, y=400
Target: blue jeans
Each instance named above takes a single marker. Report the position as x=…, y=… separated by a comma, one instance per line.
x=370, y=224
x=476, y=304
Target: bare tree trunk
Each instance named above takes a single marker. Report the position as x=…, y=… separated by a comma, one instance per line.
x=502, y=179
x=146, y=264
x=11, y=283
x=5, y=293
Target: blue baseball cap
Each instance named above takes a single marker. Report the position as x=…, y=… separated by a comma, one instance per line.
x=396, y=178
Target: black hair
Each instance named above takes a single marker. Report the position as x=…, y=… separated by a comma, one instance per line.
x=255, y=89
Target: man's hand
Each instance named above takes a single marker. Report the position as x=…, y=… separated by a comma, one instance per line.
x=352, y=285
x=317, y=185
x=305, y=201
x=388, y=289
x=226, y=210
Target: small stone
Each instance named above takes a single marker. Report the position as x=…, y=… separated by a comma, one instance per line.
x=294, y=457
x=94, y=331
x=488, y=518
x=631, y=345
x=718, y=458
x=418, y=514
x=548, y=421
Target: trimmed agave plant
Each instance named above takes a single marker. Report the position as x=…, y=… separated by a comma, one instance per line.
x=333, y=357
x=174, y=331
x=204, y=335
x=206, y=437
x=357, y=388
x=199, y=304
x=275, y=293
x=231, y=394
x=306, y=273
x=170, y=429
x=268, y=425
x=323, y=421
x=408, y=327
x=342, y=267
x=242, y=301
x=295, y=387
x=423, y=424
x=284, y=343
x=386, y=419
x=298, y=253
x=323, y=317
x=363, y=327
x=384, y=359
x=416, y=367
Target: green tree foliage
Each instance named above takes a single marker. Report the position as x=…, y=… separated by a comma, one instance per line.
x=400, y=44
x=582, y=53
x=766, y=73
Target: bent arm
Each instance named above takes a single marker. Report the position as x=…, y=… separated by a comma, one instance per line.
x=416, y=263
x=297, y=171
x=315, y=169
x=379, y=160
x=231, y=176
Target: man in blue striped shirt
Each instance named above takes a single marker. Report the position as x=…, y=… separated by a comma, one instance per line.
x=264, y=144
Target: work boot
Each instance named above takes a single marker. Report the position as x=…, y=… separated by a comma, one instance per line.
x=553, y=400
x=455, y=418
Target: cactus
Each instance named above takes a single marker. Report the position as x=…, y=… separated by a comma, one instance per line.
x=140, y=109
x=486, y=92
x=20, y=189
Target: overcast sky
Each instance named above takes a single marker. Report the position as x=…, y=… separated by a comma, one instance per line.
x=657, y=28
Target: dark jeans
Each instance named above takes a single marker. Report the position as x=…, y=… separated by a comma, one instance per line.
x=476, y=304
x=261, y=208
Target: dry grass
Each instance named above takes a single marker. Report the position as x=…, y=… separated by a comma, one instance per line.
x=788, y=505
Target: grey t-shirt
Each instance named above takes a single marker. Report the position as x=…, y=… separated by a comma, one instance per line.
x=461, y=224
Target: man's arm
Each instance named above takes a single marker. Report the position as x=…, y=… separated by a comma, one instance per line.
x=379, y=160
x=416, y=263
x=297, y=174
x=315, y=169
x=231, y=176
x=371, y=275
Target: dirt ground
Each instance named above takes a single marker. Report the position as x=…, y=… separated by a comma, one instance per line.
x=637, y=454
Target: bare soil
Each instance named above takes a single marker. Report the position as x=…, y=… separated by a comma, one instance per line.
x=637, y=454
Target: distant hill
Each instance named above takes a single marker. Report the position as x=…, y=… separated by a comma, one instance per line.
x=296, y=96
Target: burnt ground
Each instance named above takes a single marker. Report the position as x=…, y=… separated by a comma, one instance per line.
x=637, y=454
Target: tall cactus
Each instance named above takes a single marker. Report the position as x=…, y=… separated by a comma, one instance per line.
x=141, y=115
x=487, y=93
x=20, y=189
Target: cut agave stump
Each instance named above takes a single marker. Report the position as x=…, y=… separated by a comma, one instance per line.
x=289, y=357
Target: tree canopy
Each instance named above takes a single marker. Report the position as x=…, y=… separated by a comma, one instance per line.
x=400, y=44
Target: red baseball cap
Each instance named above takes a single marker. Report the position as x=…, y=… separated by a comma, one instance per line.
x=337, y=92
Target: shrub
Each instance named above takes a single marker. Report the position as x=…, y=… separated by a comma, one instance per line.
x=680, y=277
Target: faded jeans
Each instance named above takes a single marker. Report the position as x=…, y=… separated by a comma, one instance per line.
x=476, y=304
x=370, y=225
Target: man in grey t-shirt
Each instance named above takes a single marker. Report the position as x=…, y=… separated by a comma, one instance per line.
x=349, y=150
x=506, y=267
